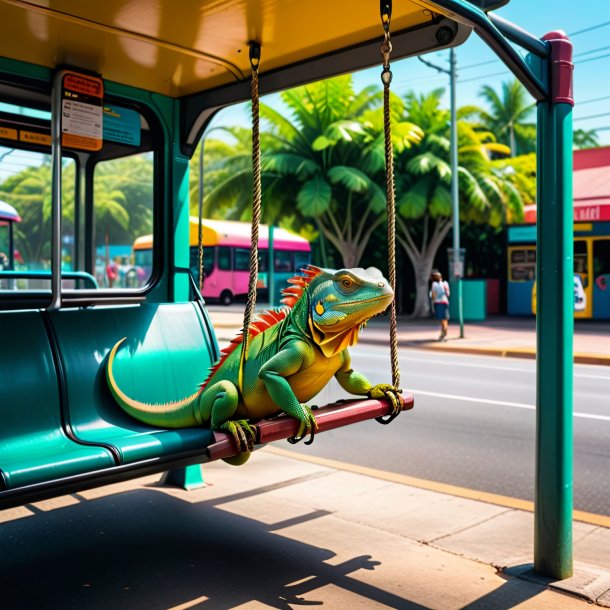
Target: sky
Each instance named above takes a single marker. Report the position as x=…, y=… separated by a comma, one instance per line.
x=587, y=23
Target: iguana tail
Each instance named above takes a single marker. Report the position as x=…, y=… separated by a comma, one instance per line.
x=178, y=414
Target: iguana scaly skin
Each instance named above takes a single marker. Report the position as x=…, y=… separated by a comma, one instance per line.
x=293, y=353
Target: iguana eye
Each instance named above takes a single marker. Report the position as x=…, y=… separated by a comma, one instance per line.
x=346, y=284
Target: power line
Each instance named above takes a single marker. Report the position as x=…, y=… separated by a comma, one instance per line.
x=467, y=80
x=584, y=61
x=593, y=27
x=592, y=51
x=592, y=116
x=596, y=99
x=482, y=63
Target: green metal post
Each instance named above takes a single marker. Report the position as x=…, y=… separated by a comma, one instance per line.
x=455, y=195
x=555, y=319
x=271, y=269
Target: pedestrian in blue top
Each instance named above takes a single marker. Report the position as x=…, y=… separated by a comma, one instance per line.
x=439, y=297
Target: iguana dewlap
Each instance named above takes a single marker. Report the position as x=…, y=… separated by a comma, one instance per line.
x=293, y=353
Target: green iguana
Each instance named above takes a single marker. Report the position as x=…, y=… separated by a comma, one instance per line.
x=293, y=353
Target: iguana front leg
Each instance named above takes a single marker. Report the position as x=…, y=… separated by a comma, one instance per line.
x=273, y=373
x=356, y=383
x=217, y=405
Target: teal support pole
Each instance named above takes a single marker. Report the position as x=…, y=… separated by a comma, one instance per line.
x=271, y=271
x=555, y=319
x=457, y=270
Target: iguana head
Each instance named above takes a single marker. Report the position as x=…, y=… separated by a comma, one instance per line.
x=341, y=302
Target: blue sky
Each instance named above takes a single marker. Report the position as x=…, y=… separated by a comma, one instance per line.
x=591, y=58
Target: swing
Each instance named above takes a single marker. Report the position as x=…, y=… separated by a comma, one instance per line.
x=345, y=412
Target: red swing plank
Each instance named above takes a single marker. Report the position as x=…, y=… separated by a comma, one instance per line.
x=328, y=418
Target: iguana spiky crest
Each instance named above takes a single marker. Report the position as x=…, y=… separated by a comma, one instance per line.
x=269, y=318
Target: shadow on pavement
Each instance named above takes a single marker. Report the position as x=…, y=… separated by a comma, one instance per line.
x=148, y=549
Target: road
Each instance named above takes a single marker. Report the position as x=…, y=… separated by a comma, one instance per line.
x=473, y=425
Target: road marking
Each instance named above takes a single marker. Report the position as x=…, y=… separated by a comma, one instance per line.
x=501, y=403
x=449, y=362
x=443, y=488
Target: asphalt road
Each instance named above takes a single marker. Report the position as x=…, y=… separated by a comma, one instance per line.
x=473, y=425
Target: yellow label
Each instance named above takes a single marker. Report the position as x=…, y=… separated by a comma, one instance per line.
x=583, y=226
x=7, y=133
x=35, y=138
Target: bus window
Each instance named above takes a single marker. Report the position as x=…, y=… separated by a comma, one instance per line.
x=601, y=279
x=522, y=264
x=123, y=209
x=301, y=259
x=208, y=261
x=224, y=258
x=580, y=260
x=601, y=260
x=282, y=261
x=263, y=260
x=241, y=260
x=25, y=182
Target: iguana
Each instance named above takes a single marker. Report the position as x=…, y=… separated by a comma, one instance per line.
x=293, y=353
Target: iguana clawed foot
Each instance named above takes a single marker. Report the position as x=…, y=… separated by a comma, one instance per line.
x=243, y=433
x=309, y=425
x=386, y=390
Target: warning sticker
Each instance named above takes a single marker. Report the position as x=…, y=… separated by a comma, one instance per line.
x=33, y=137
x=7, y=133
x=82, y=111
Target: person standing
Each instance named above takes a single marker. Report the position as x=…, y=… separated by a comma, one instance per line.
x=439, y=296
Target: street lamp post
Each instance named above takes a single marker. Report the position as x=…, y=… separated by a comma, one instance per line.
x=456, y=264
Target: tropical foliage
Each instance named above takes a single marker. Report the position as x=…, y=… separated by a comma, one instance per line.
x=507, y=114
x=123, y=202
x=424, y=176
x=323, y=163
x=585, y=138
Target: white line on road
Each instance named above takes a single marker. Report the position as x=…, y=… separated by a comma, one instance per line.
x=500, y=403
x=475, y=365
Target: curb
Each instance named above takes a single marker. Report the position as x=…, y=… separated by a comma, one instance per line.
x=527, y=353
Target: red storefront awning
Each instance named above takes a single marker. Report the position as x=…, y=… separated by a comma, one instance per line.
x=591, y=181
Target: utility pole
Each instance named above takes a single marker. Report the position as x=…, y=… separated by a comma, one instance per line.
x=456, y=267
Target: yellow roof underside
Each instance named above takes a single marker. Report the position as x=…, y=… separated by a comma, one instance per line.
x=178, y=47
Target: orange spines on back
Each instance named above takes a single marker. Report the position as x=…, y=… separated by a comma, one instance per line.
x=298, y=283
x=271, y=317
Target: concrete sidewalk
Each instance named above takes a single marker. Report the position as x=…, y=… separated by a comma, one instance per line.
x=283, y=532
x=497, y=336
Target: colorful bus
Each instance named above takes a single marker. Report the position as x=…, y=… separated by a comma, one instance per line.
x=226, y=258
x=8, y=217
x=591, y=183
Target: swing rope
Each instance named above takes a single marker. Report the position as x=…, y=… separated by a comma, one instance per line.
x=200, y=225
x=255, y=54
x=386, y=79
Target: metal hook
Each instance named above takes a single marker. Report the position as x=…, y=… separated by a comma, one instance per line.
x=255, y=54
x=385, y=8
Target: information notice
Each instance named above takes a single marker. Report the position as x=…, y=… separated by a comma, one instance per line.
x=82, y=111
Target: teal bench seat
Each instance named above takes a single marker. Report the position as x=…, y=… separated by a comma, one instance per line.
x=33, y=445
x=168, y=352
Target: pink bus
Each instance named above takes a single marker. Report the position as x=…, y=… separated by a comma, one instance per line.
x=226, y=258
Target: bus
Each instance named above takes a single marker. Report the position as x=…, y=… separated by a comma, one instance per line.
x=591, y=250
x=226, y=258
x=8, y=218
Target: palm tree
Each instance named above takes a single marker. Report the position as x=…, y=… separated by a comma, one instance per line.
x=424, y=183
x=30, y=192
x=585, y=138
x=507, y=116
x=323, y=156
